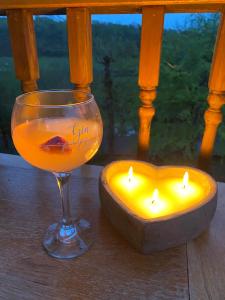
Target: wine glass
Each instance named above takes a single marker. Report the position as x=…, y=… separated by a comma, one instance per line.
x=58, y=131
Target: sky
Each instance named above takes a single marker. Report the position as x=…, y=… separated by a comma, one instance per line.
x=171, y=20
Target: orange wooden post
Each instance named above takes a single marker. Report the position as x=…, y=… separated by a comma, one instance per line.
x=80, y=47
x=216, y=98
x=23, y=41
x=149, y=67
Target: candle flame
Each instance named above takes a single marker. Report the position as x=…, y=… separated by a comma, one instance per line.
x=155, y=196
x=185, y=180
x=130, y=174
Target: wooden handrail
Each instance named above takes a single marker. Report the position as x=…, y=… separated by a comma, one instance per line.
x=209, y=8
x=14, y=4
x=114, y=9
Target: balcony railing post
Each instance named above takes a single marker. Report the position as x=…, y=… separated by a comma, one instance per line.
x=24, y=50
x=80, y=47
x=216, y=98
x=149, y=67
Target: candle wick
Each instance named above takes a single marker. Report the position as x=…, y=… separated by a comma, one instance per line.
x=155, y=196
x=185, y=181
x=130, y=175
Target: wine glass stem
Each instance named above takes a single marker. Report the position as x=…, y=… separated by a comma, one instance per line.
x=63, y=181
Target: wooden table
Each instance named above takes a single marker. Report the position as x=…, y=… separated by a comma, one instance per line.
x=29, y=202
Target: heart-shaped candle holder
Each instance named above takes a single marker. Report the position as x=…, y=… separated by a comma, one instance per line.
x=156, y=208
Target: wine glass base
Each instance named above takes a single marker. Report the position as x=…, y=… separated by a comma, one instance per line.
x=74, y=244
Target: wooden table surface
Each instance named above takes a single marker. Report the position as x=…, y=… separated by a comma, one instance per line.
x=29, y=202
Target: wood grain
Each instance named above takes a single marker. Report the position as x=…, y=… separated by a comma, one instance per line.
x=217, y=73
x=149, y=67
x=23, y=41
x=12, y=4
x=29, y=202
x=206, y=263
x=125, y=9
x=216, y=99
x=150, y=50
x=80, y=47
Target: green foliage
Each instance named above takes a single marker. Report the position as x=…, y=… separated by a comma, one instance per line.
x=181, y=101
x=51, y=37
x=5, y=49
x=9, y=88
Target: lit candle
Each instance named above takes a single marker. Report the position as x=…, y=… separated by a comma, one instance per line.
x=130, y=176
x=185, y=180
x=155, y=205
x=139, y=188
x=155, y=197
x=155, y=208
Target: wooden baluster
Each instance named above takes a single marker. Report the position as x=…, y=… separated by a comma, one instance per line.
x=80, y=47
x=23, y=41
x=149, y=67
x=216, y=98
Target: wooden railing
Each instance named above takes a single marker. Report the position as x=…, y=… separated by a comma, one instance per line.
x=21, y=27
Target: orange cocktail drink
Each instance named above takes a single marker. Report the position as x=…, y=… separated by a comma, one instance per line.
x=57, y=144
